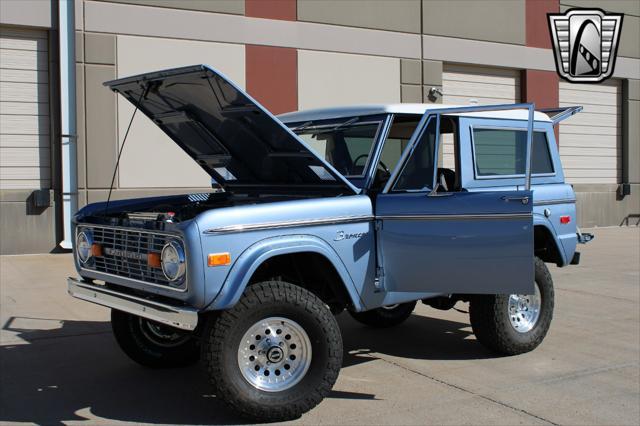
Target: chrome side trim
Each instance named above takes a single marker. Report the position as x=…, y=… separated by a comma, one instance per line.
x=557, y=201
x=482, y=216
x=287, y=224
x=180, y=317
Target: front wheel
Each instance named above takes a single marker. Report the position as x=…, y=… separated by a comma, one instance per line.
x=385, y=316
x=516, y=323
x=153, y=344
x=276, y=354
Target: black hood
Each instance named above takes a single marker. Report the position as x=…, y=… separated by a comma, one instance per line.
x=230, y=135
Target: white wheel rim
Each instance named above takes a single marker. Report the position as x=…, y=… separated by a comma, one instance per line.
x=274, y=354
x=524, y=310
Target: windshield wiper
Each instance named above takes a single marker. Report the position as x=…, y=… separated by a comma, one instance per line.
x=341, y=125
x=302, y=126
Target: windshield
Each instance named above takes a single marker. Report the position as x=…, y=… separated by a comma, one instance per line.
x=345, y=144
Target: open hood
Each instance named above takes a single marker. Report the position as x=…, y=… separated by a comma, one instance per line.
x=230, y=135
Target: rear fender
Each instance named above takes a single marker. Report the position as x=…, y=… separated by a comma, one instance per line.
x=249, y=261
x=541, y=221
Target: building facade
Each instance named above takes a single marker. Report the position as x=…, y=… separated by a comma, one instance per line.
x=290, y=54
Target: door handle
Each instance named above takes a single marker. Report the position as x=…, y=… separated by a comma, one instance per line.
x=523, y=200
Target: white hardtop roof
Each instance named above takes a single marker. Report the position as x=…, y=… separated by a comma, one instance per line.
x=374, y=109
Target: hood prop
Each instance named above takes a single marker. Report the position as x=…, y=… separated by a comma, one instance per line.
x=124, y=140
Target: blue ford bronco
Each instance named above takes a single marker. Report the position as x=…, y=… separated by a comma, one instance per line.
x=366, y=209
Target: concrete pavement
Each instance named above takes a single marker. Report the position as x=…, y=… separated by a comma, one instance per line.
x=60, y=363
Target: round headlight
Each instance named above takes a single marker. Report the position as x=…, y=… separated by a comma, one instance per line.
x=84, y=241
x=172, y=258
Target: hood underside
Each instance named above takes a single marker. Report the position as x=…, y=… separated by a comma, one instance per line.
x=231, y=136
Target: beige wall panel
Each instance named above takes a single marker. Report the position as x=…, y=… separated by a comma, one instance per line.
x=24, y=59
x=330, y=79
x=393, y=15
x=184, y=24
x=32, y=13
x=24, y=141
x=491, y=20
x=81, y=146
x=24, y=124
x=101, y=134
x=100, y=48
x=591, y=141
x=223, y=6
x=24, y=76
x=171, y=167
x=24, y=108
x=23, y=92
x=10, y=41
x=24, y=157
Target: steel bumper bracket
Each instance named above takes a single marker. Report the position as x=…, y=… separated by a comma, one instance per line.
x=175, y=316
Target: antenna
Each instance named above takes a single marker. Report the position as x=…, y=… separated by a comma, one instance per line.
x=124, y=140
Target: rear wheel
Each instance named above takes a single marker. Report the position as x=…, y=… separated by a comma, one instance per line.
x=385, y=316
x=153, y=344
x=276, y=354
x=516, y=323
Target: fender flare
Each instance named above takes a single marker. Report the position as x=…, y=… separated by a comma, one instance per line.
x=256, y=254
x=540, y=220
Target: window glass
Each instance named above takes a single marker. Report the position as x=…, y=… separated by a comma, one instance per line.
x=417, y=173
x=345, y=147
x=502, y=152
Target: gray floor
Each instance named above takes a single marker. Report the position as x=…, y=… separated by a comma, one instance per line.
x=59, y=362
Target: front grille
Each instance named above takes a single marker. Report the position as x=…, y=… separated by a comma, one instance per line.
x=124, y=254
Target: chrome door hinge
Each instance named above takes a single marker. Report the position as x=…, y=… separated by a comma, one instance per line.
x=378, y=225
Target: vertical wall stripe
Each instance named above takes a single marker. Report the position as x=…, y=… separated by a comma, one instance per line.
x=285, y=10
x=272, y=77
x=537, y=32
x=541, y=87
x=272, y=72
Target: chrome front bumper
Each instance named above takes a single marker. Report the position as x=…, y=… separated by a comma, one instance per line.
x=179, y=317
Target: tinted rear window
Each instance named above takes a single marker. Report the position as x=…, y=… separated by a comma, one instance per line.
x=502, y=152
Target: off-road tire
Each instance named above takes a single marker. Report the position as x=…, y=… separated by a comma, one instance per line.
x=382, y=317
x=221, y=341
x=489, y=318
x=128, y=332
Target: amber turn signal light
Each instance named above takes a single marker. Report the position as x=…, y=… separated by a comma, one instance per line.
x=219, y=259
x=153, y=260
x=96, y=250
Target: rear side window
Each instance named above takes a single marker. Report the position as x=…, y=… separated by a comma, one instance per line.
x=502, y=152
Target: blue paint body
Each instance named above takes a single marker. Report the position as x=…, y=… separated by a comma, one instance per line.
x=386, y=248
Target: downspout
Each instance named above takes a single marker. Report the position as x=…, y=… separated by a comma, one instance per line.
x=68, y=129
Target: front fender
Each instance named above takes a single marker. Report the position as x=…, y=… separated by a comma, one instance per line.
x=255, y=255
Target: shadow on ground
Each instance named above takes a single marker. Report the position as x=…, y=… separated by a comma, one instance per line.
x=74, y=370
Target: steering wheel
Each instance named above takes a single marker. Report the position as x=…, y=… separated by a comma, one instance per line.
x=380, y=164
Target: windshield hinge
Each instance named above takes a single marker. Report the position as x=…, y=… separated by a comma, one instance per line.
x=378, y=225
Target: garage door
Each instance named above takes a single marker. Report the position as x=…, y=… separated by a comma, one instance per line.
x=24, y=109
x=469, y=85
x=590, y=142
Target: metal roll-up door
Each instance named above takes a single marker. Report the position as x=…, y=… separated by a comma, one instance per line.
x=590, y=142
x=470, y=85
x=25, y=148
